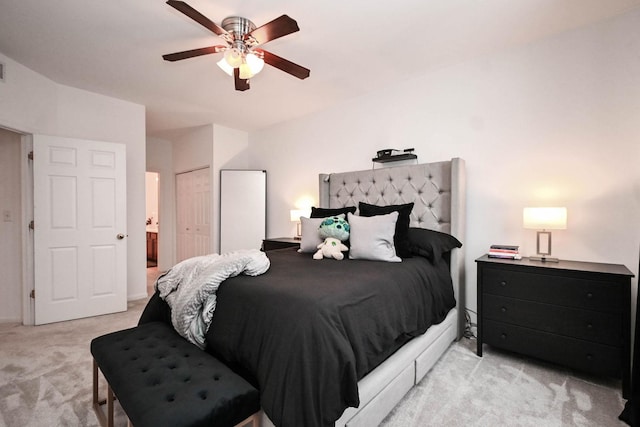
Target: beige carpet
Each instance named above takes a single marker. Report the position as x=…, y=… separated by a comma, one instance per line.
x=45, y=371
x=504, y=389
x=45, y=380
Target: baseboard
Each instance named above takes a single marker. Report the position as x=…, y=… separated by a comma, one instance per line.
x=136, y=297
x=10, y=320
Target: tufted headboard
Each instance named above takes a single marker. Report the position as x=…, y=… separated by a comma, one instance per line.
x=436, y=189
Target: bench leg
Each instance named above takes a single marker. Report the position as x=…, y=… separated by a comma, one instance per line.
x=104, y=420
x=251, y=421
x=97, y=404
x=109, y=406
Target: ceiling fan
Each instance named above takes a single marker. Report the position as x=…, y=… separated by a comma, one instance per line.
x=242, y=57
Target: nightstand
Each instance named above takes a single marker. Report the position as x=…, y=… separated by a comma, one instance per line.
x=575, y=314
x=280, y=243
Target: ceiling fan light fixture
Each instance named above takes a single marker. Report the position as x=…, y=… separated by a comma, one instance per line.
x=250, y=65
x=224, y=66
x=234, y=57
x=255, y=63
x=245, y=71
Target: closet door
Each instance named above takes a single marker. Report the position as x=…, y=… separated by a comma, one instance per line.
x=193, y=214
x=243, y=209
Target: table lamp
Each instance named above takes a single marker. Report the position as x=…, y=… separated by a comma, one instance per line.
x=543, y=219
x=295, y=215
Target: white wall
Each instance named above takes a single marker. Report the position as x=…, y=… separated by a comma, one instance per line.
x=229, y=152
x=31, y=103
x=193, y=149
x=10, y=228
x=28, y=100
x=553, y=123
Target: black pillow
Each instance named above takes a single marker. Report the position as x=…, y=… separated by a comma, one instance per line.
x=431, y=244
x=401, y=236
x=325, y=212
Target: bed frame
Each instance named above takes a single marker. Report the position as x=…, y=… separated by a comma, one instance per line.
x=438, y=193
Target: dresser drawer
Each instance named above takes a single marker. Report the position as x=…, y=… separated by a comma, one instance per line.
x=596, y=326
x=582, y=355
x=554, y=289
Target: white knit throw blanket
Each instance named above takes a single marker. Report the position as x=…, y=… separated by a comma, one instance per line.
x=190, y=288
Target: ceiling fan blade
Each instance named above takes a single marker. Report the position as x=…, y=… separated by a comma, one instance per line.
x=197, y=16
x=241, y=84
x=285, y=65
x=177, y=56
x=272, y=30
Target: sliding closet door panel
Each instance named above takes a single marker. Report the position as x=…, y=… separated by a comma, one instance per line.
x=243, y=209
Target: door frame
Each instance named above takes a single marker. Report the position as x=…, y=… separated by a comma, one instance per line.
x=28, y=278
x=27, y=282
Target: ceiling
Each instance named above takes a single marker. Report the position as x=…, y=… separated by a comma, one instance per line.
x=115, y=48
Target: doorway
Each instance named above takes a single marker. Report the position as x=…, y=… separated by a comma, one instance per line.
x=152, y=185
x=85, y=206
x=10, y=226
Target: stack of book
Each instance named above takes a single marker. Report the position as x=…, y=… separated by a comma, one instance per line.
x=505, y=251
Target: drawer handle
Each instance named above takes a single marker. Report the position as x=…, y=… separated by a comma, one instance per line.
x=503, y=309
x=589, y=295
x=503, y=283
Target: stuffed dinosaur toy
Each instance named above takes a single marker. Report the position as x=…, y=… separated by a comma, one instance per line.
x=334, y=230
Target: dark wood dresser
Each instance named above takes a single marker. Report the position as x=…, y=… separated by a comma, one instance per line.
x=575, y=314
x=152, y=246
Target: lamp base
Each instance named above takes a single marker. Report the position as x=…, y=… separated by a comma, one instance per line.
x=544, y=259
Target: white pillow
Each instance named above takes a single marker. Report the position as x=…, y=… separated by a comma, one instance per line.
x=372, y=237
x=310, y=235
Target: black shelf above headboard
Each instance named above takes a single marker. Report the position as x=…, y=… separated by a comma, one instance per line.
x=394, y=158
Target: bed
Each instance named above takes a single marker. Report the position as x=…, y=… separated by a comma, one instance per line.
x=303, y=343
x=439, y=192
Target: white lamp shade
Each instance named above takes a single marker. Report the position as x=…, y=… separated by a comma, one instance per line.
x=256, y=64
x=233, y=57
x=295, y=214
x=545, y=218
x=245, y=71
x=224, y=66
x=249, y=66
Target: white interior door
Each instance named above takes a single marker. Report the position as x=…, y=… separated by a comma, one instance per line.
x=193, y=215
x=80, y=250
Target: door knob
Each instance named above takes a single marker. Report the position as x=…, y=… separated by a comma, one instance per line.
x=120, y=236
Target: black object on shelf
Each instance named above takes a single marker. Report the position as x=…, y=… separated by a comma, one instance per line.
x=394, y=158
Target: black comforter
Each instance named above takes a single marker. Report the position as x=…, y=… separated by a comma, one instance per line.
x=307, y=330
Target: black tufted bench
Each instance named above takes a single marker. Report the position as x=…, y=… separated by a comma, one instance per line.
x=160, y=379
